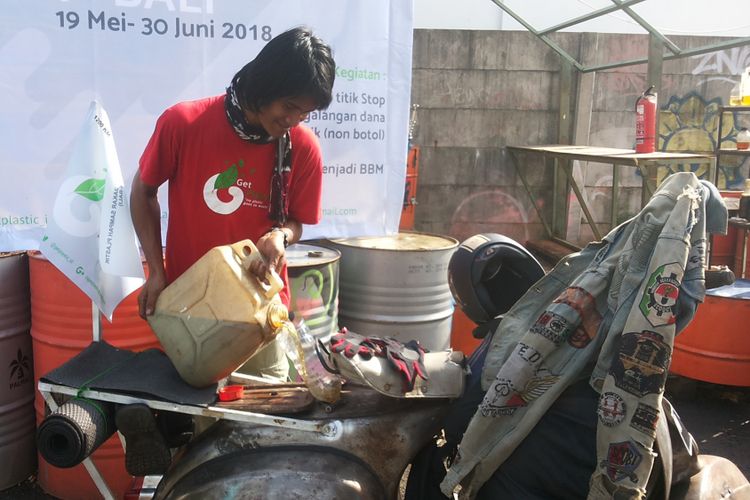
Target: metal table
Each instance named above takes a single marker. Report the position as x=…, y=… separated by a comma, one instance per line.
x=646, y=163
x=331, y=428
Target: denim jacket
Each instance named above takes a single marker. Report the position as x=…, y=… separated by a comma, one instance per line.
x=610, y=313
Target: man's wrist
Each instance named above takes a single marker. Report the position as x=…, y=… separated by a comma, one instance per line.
x=283, y=232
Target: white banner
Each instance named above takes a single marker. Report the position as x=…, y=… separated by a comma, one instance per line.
x=137, y=57
x=90, y=235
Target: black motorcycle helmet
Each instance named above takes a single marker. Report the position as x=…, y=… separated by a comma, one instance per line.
x=488, y=273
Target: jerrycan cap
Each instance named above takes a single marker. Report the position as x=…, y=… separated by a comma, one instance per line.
x=277, y=315
x=231, y=392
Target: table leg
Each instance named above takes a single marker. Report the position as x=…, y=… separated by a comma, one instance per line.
x=569, y=170
x=615, y=194
x=649, y=173
x=521, y=176
x=744, y=253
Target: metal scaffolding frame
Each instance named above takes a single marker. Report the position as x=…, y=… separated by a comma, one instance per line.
x=673, y=51
x=660, y=49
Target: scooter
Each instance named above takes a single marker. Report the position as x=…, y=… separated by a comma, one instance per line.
x=356, y=448
x=361, y=446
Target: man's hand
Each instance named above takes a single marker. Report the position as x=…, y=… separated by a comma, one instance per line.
x=146, y=214
x=149, y=293
x=272, y=251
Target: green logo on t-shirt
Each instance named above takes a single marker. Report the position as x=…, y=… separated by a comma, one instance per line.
x=229, y=176
x=224, y=180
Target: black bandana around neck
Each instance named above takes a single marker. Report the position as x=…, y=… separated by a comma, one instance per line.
x=277, y=208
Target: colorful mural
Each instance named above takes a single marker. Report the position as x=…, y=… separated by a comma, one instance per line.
x=689, y=123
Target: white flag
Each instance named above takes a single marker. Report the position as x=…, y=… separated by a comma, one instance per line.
x=90, y=236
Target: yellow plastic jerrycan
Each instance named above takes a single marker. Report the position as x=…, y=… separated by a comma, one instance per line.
x=216, y=315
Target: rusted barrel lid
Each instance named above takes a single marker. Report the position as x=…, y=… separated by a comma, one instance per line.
x=303, y=255
x=404, y=241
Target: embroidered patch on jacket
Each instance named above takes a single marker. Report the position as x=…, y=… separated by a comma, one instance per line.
x=552, y=327
x=697, y=255
x=641, y=365
x=499, y=400
x=584, y=304
x=644, y=419
x=660, y=297
x=538, y=385
x=528, y=353
x=611, y=409
x=622, y=461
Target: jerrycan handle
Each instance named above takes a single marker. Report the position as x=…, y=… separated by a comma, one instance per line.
x=248, y=252
x=276, y=283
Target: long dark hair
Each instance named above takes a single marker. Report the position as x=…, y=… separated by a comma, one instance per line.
x=295, y=63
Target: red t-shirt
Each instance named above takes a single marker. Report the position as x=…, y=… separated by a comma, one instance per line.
x=220, y=185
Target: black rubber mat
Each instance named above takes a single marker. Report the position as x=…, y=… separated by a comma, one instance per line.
x=74, y=431
x=148, y=374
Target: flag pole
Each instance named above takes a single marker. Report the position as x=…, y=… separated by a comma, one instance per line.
x=96, y=322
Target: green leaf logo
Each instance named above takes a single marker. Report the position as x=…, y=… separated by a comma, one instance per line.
x=92, y=189
x=227, y=178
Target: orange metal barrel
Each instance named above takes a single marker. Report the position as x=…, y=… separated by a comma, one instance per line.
x=461, y=333
x=715, y=347
x=61, y=326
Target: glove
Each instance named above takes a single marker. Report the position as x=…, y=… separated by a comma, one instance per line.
x=407, y=359
x=349, y=345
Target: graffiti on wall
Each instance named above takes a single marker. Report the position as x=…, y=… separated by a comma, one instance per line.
x=633, y=84
x=689, y=123
x=718, y=64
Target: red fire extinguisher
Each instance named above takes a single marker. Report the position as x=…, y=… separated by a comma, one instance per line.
x=645, y=122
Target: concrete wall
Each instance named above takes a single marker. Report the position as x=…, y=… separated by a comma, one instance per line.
x=478, y=91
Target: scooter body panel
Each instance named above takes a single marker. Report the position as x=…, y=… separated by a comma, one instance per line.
x=279, y=473
x=381, y=434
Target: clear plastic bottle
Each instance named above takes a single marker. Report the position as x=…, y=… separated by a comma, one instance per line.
x=323, y=385
x=735, y=96
x=745, y=87
x=743, y=139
